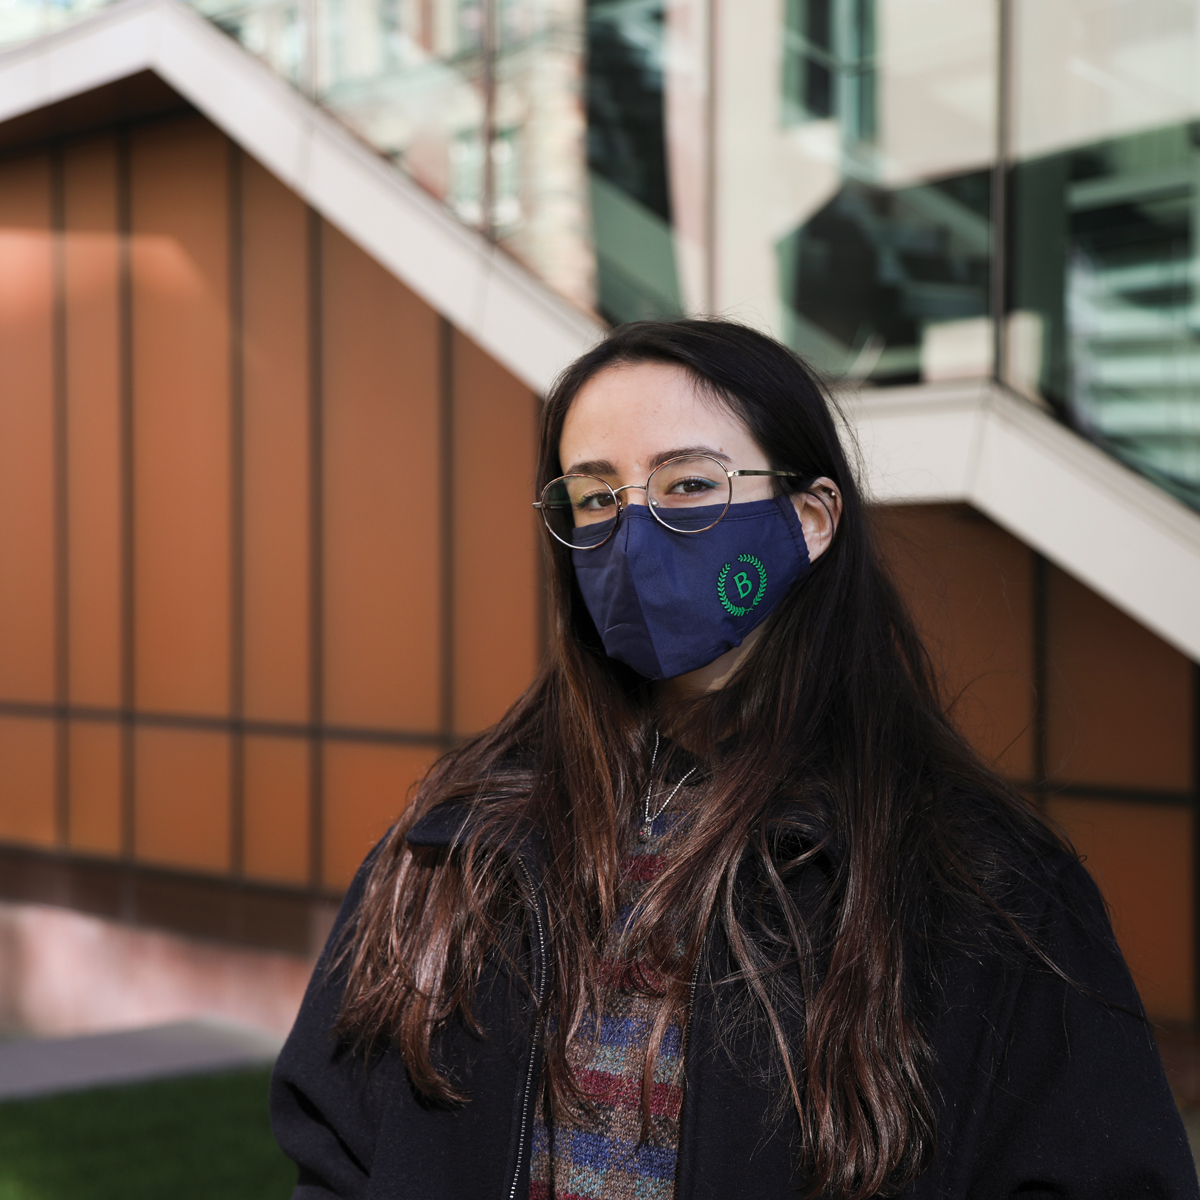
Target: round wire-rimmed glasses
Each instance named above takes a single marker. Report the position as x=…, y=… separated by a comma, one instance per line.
x=687, y=494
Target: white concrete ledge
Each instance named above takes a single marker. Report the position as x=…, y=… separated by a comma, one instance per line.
x=976, y=443
x=516, y=318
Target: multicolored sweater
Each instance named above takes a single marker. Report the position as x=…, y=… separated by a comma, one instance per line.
x=603, y=1156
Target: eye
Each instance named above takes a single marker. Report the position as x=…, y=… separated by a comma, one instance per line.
x=594, y=501
x=690, y=486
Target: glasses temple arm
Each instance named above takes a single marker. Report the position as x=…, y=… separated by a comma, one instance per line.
x=781, y=474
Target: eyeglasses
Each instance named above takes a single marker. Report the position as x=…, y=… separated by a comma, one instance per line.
x=688, y=494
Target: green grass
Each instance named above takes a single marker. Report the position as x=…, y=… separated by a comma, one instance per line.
x=200, y=1138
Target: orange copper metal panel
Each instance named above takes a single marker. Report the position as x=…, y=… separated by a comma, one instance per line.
x=182, y=798
x=275, y=804
x=180, y=256
x=91, y=271
x=27, y=746
x=26, y=431
x=495, y=549
x=969, y=586
x=276, y=448
x=94, y=772
x=383, y=602
x=366, y=788
x=1119, y=698
x=1141, y=857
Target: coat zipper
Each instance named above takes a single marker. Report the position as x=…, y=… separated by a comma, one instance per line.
x=541, y=996
x=687, y=1038
x=543, y=974
x=691, y=1004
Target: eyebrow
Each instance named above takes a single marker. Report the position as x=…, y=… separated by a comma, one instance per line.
x=601, y=466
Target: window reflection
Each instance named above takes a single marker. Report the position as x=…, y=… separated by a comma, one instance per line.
x=880, y=276
x=1105, y=256
x=1103, y=252
x=628, y=158
x=885, y=278
x=821, y=168
x=829, y=64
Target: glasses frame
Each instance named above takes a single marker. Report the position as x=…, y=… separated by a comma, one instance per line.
x=542, y=506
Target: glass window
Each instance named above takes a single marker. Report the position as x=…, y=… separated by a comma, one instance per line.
x=629, y=161
x=822, y=168
x=876, y=188
x=1084, y=70
x=538, y=172
x=829, y=63
x=1105, y=326
x=1104, y=275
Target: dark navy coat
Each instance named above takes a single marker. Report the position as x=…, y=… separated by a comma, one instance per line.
x=1043, y=1090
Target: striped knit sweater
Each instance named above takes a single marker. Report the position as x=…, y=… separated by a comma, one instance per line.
x=602, y=1156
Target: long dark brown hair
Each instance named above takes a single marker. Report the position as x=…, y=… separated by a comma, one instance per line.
x=830, y=732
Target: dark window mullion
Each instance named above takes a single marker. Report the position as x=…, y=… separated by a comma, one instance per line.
x=1196, y=843
x=61, y=532
x=237, y=515
x=1041, y=654
x=128, y=615
x=446, y=436
x=316, y=550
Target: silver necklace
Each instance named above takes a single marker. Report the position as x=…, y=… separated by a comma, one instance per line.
x=644, y=834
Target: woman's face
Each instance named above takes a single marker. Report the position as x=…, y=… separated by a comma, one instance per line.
x=629, y=418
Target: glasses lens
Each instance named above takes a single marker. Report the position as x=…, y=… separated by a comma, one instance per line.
x=576, y=502
x=690, y=494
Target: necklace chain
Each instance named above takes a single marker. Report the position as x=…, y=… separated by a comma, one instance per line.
x=644, y=832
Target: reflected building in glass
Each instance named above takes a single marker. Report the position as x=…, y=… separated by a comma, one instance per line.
x=828, y=168
x=1103, y=246
x=875, y=181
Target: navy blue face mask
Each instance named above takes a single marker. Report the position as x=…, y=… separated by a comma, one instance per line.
x=666, y=603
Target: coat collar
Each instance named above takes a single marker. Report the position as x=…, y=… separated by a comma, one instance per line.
x=442, y=826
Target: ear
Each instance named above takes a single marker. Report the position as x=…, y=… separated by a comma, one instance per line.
x=819, y=509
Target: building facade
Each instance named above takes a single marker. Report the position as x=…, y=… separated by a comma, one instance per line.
x=280, y=282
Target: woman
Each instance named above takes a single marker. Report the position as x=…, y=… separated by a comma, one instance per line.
x=724, y=906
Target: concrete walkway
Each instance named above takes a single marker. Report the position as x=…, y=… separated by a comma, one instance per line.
x=43, y=1066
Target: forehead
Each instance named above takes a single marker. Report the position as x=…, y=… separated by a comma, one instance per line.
x=628, y=413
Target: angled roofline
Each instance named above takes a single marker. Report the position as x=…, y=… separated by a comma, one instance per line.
x=977, y=443
x=972, y=442
x=490, y=297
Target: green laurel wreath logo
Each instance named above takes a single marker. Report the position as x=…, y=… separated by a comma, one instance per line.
x=736, y=610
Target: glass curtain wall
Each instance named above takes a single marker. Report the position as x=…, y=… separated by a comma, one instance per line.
x=878, y=228
x=825, y=169
x=629, y=158
x=1105, y=205
x=480, y=100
